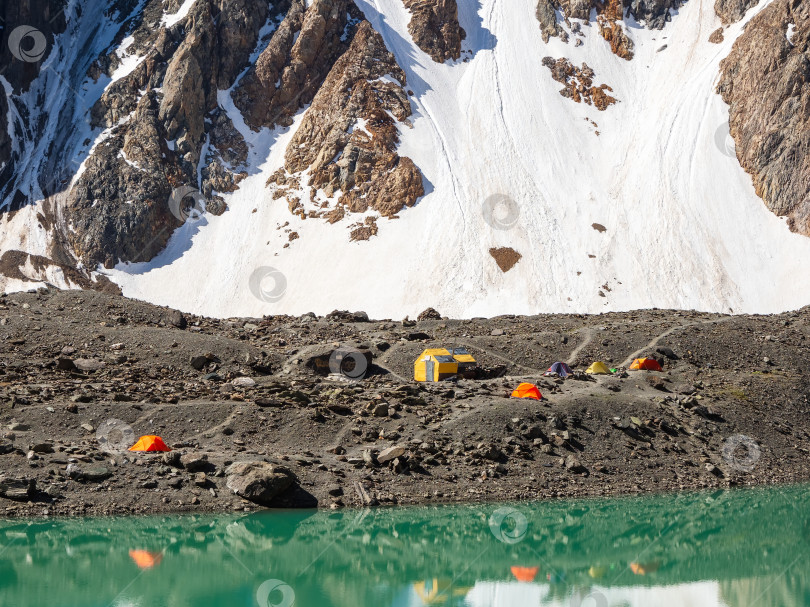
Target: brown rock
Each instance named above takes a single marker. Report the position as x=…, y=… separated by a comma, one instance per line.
x=505, y=257
x=731, y=11
x=434, y=28
x=258, y=482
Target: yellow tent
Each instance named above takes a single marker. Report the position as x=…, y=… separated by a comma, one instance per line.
x=437, y=364
x=598, y=368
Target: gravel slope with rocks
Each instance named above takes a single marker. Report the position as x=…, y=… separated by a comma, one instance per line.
x=255, y=417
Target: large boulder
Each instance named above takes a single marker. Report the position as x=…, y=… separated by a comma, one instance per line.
x=17, y=488
x=258, y=482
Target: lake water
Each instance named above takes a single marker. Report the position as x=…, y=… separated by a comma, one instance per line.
x=740, y=548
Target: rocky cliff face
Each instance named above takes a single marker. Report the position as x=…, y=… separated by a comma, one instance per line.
x=766, y=82
x=159, y=118
x=290, y=71
x=22, y=53
x=435, y=29
x=348, y=138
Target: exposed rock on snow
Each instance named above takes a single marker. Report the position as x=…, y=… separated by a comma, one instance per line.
x=766, y=82
x=365, y=85
x=578, y=83
x=435, y=29
x=731, y=11
x=505, y=257
x=290, y=71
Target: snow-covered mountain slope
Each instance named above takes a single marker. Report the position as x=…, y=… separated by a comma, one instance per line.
x=508, y=162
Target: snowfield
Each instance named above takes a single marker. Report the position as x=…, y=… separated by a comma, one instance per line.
x=684, y=228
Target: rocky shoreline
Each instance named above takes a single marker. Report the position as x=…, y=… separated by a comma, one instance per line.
x=266, y=412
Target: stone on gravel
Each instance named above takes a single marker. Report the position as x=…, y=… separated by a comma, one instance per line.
x=429, y=314
x=195, y=462
x=391, y=453
x=176, y=319
x=572, y=464
x=258, y=482
x=17, y=488
x=93, y=473
x=244, y=382
x=88, y=364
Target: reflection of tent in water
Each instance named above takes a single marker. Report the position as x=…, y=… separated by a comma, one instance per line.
x=644, y=568
x=145, y=559
x=440, y=592
x=525, y=574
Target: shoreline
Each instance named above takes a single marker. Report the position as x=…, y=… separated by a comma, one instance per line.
x=259, y=390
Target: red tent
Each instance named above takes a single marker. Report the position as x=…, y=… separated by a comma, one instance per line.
x=149, y=442
x=645, y=364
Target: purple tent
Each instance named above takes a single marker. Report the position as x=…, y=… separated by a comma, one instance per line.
x=560, y=369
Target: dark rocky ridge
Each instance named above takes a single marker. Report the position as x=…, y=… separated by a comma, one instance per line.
x=258, y=390
x=434, y=28
x=362, y=164
x=290, y=71
x=119, y=207
x=46, y=16
x=766, y=82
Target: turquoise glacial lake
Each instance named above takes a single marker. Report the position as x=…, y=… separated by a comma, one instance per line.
x=740, y=548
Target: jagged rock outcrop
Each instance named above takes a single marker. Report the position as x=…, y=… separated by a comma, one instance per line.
x=118, y=209
x=609, y=17
x=348, y=138
x=731, y=11
x=160, y=117
x=578, y=83
x=20, y=62
x=654, y=14
x=289, y=72
x=766, y=82
x=435, y=29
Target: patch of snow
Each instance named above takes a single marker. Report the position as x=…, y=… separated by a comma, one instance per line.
x=791, y=31
x=170, y=20
x=685, y=228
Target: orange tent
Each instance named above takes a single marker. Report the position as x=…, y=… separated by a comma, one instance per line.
x=644, y=568
x=526, y=390
x=525, y=574
x=149, y=443
x=645, y=364
x=145, y=559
